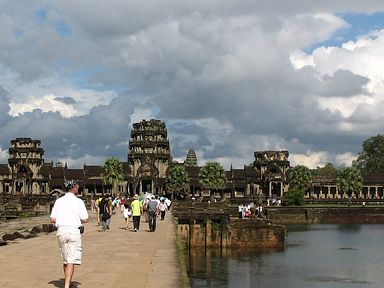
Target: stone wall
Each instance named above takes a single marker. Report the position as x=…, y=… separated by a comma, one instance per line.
x=345, y=215
x=238, y=233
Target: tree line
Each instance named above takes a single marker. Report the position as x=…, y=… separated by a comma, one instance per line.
x=211, y=177
x=349, y=180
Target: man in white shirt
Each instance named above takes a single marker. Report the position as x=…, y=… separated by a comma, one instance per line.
x=68, y=214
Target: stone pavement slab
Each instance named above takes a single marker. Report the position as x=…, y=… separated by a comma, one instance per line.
x=115, y=258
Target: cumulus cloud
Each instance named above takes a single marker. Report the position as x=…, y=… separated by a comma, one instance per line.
x=310, y=159
x=228, y=77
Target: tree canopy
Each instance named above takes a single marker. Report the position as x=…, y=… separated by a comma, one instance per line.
x=177, y=180
x=294, y=197
x=113, y=172
x=329, y=170
x=212, y=176
x=349, y=180
x=300, y=177
x=371, y=159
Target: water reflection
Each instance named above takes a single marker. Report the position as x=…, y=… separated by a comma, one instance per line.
x=212, y=267
x=349, y=227
x=317, y=256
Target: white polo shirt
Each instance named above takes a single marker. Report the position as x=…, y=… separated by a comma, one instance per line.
x=68, y=212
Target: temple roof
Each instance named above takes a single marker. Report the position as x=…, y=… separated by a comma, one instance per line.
x=77, y=174
x=93, y=170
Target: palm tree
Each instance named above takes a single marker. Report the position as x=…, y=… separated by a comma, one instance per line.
x=178, y=181
x=113, y=173
x=300, y=177
x=349, y=181
x=212, y=176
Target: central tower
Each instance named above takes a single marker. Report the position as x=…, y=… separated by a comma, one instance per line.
x=149, y=156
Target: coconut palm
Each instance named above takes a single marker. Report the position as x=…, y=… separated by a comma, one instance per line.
x=349, y=181
x=300, y=177
x=113, y=173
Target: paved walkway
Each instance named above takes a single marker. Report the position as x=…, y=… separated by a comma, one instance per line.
x=115, y=258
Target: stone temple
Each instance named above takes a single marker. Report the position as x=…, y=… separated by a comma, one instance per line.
x=145, y=170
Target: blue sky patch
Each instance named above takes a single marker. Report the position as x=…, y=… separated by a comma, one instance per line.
x=41, y=15
x=360, y=24
x=62, y=28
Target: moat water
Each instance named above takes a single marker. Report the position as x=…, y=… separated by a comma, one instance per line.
x=315, y=256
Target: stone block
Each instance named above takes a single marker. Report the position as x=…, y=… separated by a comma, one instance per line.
x=27, y=235
x=8, y=237
x=36, y=230
x=48, y=228
x=18, y=235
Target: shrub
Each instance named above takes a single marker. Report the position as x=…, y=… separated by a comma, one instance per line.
x=294, y=197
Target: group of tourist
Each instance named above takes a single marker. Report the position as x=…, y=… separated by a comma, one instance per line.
x=274, y=202
x=146, y=204
x=251, y=210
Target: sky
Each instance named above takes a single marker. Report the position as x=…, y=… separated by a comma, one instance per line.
x=228, y=78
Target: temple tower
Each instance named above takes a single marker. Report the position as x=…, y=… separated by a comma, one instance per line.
x=149, y=157
x=25, y=161
x=191, y=159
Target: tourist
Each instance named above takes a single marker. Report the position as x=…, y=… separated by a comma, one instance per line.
x=162, y=208
x=153, y=210
x=247, y=211
x=259, y=210
x=240, y=211
x=169, y=202
x=105, y=207
x=122, y=204
x=93, y=204
x=115, y=204
x=145, y=207
x=244, y=211
x=98, y=216
x=137, y=210
x=68, y=215
x=127, y=213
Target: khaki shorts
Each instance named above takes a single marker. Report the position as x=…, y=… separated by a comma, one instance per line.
x=70, y=246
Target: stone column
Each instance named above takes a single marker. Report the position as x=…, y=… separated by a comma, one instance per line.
x=281, y=189
x=269, y=190
x=208, y=234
